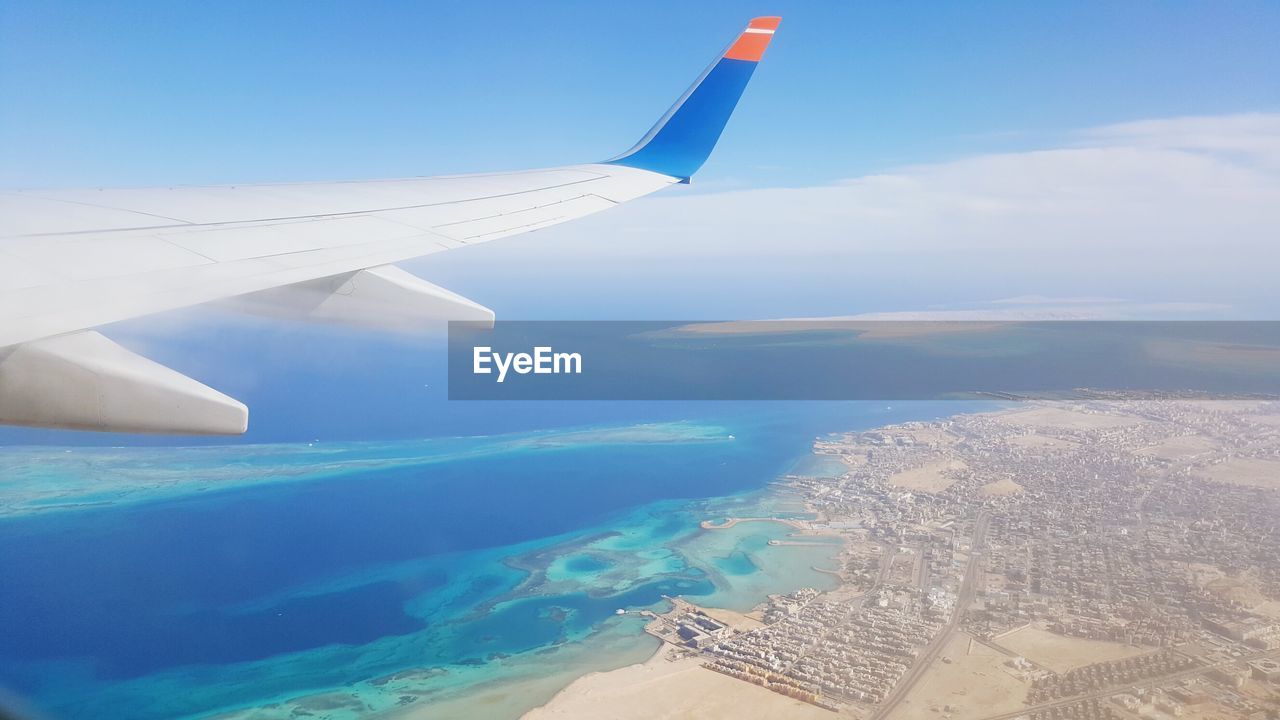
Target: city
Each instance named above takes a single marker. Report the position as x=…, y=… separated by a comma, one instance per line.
x=1105, y=558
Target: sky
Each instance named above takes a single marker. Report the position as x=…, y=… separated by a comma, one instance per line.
x=143, y=93
x=1078, y=160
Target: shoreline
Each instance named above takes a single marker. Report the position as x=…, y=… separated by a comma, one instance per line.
x=705, y=664
x=669, y=684
x=681, y=681
x=662, y=653
x=720, y=554
x=895, y=638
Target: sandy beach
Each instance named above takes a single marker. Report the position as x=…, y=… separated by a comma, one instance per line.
x=663, y=687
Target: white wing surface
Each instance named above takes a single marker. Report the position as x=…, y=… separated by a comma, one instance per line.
x=71, y=260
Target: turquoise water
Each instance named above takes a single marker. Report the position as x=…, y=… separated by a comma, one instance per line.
x=385, y=577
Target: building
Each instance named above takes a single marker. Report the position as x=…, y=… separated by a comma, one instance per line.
x=1266, y=669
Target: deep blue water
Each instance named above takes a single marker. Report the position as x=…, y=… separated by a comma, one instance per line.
x=211, y=579
x=138, y=588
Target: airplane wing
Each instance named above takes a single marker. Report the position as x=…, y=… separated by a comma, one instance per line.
x=71, y=260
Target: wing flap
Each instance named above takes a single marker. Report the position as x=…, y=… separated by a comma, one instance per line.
x=84, y=381
x=382, y=298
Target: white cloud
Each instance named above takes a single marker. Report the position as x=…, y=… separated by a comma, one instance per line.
x=1186, y=208
x=1251, y=137
x=1144, y=194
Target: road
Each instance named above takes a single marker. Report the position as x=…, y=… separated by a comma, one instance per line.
x=968, y=589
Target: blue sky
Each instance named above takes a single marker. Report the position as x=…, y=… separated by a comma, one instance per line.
x=174, y=92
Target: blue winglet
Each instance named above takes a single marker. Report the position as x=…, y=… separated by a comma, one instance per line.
x=680, y=142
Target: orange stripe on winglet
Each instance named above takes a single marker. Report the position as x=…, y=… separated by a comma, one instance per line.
x=750, y=45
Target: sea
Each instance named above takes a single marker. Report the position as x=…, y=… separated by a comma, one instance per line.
x=414, y=578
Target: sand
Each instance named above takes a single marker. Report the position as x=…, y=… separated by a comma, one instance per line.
x=929, y=478
x=1001, y=487
x=1270, y=608
x=1061, y=653
x=742, y=622
x=660, y=688
x=975, y=684
x=1179, y=447
x=1250, y=472
x=1061, y=418
x=1040, y=441
x=1238, y=591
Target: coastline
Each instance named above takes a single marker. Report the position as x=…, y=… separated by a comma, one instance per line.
x=531, y=629
x=523, y=683
x=682, y=682
x=922, y=526
x=674, y=683
x=580, y=685
x=668, y=686
x=491, y=657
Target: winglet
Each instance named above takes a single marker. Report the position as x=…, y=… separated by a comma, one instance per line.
x=679, y=143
